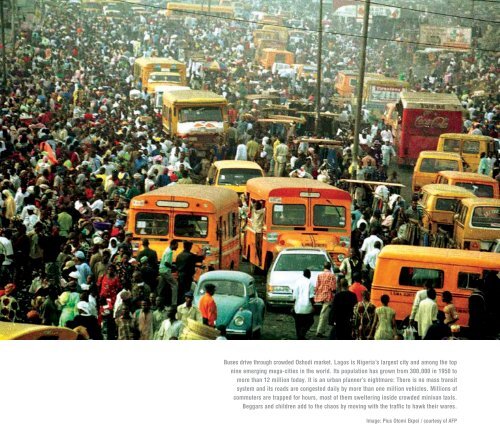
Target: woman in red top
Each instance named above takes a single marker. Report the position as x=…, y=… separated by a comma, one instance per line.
x=109, y=284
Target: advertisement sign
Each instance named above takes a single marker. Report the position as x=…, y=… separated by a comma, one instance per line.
x=455, y=38
x=384, y=94
x=378, y=11
x=430, y=122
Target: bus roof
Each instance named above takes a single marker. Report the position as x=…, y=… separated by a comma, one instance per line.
x=455, y=136
x=453, y=174
x=415, y=100
x=225, y=164
x=491, y=202
x=266, y=187
x=442, y=155
x=194, y=96
x=220, y=197
x=145, y=61
x=443, y=189
x=433, y=254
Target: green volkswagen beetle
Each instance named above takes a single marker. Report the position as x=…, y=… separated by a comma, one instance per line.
x=239, y=308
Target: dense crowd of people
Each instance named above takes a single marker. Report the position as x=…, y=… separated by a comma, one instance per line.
x=76, y=148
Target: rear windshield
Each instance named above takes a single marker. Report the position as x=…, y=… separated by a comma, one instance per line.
x=191, y=226
x=225, y=288
x=486, y=217
x=151, y=223
x=470, y=147
x=451, y=145
x=446, y=204
x=329, y=216
x=480, y=190
x=296, y=262
x=435, y=165
x=237, y=177
x=289, y=214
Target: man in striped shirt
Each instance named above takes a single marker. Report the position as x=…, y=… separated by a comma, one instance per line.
x=323, y=293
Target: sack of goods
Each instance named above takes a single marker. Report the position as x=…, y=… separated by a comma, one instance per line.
x=197, y=331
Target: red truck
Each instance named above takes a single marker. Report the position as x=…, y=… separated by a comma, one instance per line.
x=418, y=119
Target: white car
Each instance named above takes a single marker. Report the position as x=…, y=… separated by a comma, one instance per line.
x=288, y=267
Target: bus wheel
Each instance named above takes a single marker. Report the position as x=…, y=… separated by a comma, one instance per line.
x=268, y=261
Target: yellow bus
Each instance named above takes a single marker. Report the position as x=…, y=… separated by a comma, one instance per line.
x=156, y=71
x=378, y=92
x=206, y=216
x=192, y=9
x=470, y=147
x=199, y=117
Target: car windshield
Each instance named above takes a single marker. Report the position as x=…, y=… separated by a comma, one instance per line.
x=225, y=288
x=296, y=262
x=193, y=114
x=237, y=177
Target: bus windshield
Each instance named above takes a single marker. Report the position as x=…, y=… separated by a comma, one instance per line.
x=193, y=114
x=164, y=77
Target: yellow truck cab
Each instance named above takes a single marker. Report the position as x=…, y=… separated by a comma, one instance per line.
x=438, y=203
x=470, y=147
x=199, y=117
x=430, y=163
x=156, y=71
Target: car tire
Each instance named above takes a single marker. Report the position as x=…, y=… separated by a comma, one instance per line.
x=258, y=333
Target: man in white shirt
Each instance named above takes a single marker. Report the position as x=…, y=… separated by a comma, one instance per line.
x=303, y=309
x=241, y=152
x=419, y=297
x=387, y=153
x=369, y=243
x=371, y=259
x=427, y=313
x=386, y=135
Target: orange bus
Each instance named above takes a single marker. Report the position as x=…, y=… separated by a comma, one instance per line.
x=269, y=56
x=206, y=216
x=297, y=212
x=401, y=271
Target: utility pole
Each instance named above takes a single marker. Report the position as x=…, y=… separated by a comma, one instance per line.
x=13, y=6
x=318, y=69
x=361, y=81
x=4, y=61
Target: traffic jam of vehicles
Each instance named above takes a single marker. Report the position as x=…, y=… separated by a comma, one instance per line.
x=224, y=170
